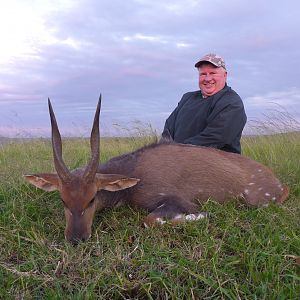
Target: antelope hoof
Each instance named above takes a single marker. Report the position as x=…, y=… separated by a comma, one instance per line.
x=196, y=217
x=152, y=220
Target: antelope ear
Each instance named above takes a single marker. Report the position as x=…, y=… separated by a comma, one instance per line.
x=46, y=182
x=114, y=182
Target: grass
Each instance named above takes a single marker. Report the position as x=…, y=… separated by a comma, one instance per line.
x=237, y=253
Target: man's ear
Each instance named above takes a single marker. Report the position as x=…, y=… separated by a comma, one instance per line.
x=114, y=182
x=46, y=182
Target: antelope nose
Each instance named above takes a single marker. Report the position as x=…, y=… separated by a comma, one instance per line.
x=76, y=239
x=74, y=242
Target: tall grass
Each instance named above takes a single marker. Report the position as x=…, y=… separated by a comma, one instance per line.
x=237, y=253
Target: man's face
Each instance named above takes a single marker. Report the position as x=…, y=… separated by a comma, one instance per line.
x=211, y=79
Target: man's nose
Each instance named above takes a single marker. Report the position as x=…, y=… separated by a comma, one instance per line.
x=208, y=77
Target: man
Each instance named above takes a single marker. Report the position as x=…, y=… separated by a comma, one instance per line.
x=214, y=116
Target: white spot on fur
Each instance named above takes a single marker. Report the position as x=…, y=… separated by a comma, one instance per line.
x=267, y=194
x=161, y=205
x=259, y=170
x=274, y=198
x=241, y=195
x=251, y=183
x=162, y=194
x=246, y=191
x=260, y=189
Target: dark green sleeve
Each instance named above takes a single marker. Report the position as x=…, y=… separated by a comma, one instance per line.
x=169, y=128
x=224, y=124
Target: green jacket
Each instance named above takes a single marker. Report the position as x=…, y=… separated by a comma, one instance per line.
x=215, y=121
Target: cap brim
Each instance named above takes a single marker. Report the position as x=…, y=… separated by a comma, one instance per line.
x=200, y=62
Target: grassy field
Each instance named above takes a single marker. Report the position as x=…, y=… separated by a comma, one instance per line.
x=237, y=253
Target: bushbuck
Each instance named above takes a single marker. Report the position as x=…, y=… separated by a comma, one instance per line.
x=168, y=180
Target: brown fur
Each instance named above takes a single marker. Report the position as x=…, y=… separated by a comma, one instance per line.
x=194, y=174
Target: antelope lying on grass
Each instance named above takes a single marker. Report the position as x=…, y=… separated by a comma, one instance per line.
x=169, y=180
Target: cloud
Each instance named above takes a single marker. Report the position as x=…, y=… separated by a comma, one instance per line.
x=147, y=38
x=140, y=55
x=277, y=111
x=289, y=99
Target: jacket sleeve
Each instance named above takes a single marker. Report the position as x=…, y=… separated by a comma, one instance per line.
x=169, y=128
x=225, y=123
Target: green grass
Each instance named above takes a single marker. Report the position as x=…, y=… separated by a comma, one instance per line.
x=237, y=253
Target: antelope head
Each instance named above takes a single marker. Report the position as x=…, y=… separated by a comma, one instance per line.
x=78, y=188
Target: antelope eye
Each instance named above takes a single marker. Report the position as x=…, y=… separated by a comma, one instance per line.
x=92, y=201
x=89, y=205
x=64, y=203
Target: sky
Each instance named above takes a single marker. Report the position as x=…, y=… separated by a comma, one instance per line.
x=140, y=56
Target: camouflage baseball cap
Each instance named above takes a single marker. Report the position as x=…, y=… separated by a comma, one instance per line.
x=212, y=58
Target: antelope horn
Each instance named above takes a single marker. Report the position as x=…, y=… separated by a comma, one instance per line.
x=92, y=167
x=59, y=164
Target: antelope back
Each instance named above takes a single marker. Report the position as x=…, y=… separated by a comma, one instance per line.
x=193, y=172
